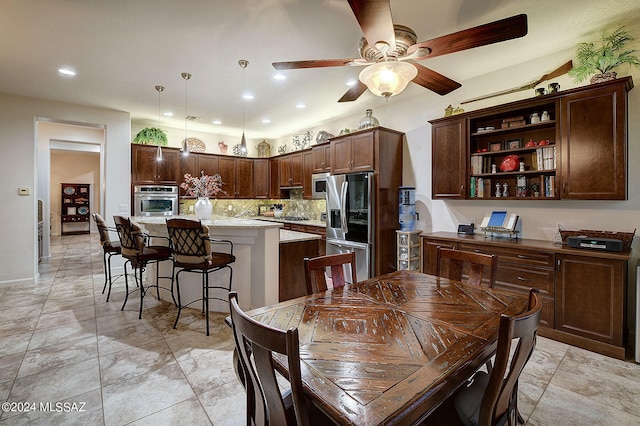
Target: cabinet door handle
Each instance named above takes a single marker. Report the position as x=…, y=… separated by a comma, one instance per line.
x=522, y=256
x=523, y=279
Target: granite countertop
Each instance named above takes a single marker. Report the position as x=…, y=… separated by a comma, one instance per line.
x=319, y=223
x=215, y=221
x=287, y=236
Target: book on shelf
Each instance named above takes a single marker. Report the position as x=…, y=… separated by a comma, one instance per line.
x=472, y=187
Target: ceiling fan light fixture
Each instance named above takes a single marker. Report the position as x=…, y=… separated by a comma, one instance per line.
x=388, y=78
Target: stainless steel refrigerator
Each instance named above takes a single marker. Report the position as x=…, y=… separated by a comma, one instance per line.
x=350, y=219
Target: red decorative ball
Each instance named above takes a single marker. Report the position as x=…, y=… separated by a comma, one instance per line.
x=510, y=163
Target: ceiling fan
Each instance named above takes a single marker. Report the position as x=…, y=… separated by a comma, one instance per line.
x=390, y=50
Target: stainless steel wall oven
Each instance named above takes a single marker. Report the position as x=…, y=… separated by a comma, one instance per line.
x=155, y=200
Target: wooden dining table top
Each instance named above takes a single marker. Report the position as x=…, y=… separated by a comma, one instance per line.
x=391, y=349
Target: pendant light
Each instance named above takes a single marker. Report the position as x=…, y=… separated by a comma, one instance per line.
x=159, y=89
x=185, y=146
x=242, y=149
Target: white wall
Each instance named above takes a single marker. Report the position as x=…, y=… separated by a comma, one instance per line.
x=25, y=163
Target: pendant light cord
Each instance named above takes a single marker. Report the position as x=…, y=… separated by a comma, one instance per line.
x=186, y=76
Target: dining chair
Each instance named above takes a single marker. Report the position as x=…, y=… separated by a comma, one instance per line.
x=256, y=344
x=491, y=399
x=135, y=248
x=317, y=268
x=477, y=262
x=191, y=246
x=109, y=249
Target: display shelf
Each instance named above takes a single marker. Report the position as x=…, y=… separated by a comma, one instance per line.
x=408, y=250
x=74, y=210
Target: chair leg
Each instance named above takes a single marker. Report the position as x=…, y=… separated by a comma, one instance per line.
x=104, y=263
x=205, y=296
x=175, y=323
x=108, y=264
x=142, y=290
x=173, y=272
x=126, y=285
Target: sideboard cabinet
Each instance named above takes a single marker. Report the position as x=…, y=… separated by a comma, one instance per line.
x=583, y=292
x=567, y=145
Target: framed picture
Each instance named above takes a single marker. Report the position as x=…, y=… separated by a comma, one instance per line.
x=495, y=146
x=514, y=144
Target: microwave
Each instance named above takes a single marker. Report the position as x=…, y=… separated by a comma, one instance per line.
x=319, y=186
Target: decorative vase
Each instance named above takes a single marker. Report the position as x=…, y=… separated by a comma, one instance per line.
x=203, y=208
x=368, y=121
x=601, y=78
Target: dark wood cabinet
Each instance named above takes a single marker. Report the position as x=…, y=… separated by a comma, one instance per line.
x=353, y=153
x=237, y=174
x=261, y=178
x=583, y=292
x=74, y=208
x=321, y=158
x=571, y=145
x=594, y=143
x=449, y=159
x=290, y=169
x=590, y=298
x=307, y=171
x=147, y=170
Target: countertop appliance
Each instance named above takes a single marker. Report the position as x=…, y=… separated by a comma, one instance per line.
x=350, y=219
x=155, y=200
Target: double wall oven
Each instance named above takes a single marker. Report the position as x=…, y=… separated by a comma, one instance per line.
x=155, y=200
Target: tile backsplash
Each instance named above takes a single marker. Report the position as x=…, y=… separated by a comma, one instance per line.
x=294, y=206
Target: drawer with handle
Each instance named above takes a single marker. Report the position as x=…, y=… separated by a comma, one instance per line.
x=519, y=278
x=518, y=256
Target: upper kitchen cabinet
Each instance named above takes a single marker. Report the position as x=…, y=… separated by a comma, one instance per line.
x=307, y=171
x=594, y=142
x=290, y=170
x=567, y=145
x=147, y=170
x=365, y=150
x=321, y=157
x=449, y=157
x=237, y=175
x=262, y=178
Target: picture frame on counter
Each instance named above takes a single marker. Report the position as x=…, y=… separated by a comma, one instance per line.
x=514, y=143
x=495, y=146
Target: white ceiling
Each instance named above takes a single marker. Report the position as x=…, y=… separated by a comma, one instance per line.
x=121, y=49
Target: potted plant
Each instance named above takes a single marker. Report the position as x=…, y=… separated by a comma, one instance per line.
x=151, y=136
x=535, y=188
x=598, y=59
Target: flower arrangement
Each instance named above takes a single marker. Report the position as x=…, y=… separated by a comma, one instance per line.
x=203, y=186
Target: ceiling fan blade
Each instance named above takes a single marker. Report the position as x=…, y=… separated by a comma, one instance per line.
x=561, y=70
x=493, y=32
x=318, y=63
x=433, y=81
x=374, y=17
x=354, y=92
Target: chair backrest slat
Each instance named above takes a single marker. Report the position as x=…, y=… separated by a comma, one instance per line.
x=457, y=260
x=256, y=343
x=315, y=271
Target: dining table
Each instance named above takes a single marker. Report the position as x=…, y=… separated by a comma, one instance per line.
x=391, y=349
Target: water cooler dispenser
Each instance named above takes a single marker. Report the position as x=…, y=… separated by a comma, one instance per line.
x=407, y=208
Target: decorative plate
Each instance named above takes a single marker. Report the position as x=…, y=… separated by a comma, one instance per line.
x=69, y=190
x=196, y=145
x=83, y=210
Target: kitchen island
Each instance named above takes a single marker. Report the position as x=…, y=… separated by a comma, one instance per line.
x=294, y=247
x=255, y=271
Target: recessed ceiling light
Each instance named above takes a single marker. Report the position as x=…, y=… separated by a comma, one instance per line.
x=300, y=105
x=350, y=83
x=266, y=121
x=247, y=96
x=280, y=77
x=168, y=114
x=216, y=122
x=66, y=71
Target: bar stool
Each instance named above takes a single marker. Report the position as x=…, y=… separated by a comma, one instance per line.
x=134, y=245
x=109, y=248
x=191, y=248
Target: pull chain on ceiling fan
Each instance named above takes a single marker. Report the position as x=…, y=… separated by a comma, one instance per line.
x=389, y=51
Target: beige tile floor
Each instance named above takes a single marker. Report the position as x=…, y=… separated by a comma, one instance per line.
x=61, y=342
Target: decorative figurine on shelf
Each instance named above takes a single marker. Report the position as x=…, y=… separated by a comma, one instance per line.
x=448, y=111
x=498, y=190
x=223, y=146
x=505, y=190
x=493, y=168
